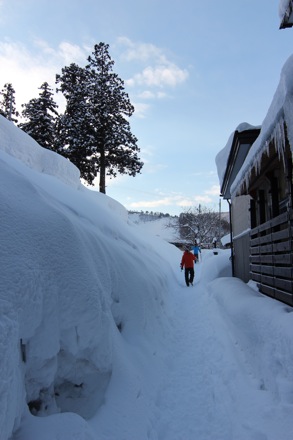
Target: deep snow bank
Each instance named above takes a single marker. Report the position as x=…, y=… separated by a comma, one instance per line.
x=260, y=325
x=267, y=341
x=71, y=284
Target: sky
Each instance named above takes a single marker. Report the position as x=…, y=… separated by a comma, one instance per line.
x=193, y=70
x=100, y=333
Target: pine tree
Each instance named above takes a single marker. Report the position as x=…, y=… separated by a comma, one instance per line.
x=7, y=104
x=41, y=115
x=73, y=137
x=103, y=142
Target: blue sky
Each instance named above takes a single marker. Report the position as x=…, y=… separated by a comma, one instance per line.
x=194, y=70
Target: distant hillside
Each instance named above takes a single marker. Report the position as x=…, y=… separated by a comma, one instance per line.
x=160, y=225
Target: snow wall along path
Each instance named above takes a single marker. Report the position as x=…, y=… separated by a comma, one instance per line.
x=65, y=294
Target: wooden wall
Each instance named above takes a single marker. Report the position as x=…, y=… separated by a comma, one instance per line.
x=271, y=257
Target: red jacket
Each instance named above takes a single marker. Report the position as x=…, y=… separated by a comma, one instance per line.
x=188, y=260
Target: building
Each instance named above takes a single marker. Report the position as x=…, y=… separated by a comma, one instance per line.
x=229, y=162
x=259, y=191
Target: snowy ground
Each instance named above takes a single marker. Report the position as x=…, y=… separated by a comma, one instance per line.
x=100, y=334
x=224, y=372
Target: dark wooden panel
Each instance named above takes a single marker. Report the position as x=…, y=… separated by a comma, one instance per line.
x=266, y=259
x=283, y=246
x=281, y=235
x=267, y=249
x=284, y=297
x=282, y=218
x=265, y=279
x=267, y=290
x=254, y=250
x=271, y=257
x=254, y=241
x=255, y=268
x=283, y=259
x=283, y=272
x=268, y=270
x=265, y=226
x=255, y=259
x=265, y=239
x=256, y=277
x=286, y=285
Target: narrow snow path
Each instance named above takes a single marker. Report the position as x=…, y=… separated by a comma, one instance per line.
x=208, y=391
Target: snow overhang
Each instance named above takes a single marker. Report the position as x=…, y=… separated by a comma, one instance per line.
x=286, y=13
x=276, y=127
x=230, y=159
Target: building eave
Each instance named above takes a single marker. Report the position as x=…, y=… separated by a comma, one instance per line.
x=240, y=147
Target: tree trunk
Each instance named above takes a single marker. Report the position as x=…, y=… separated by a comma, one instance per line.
x=102, y=172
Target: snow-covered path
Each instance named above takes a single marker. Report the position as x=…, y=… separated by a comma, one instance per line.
x=209, y=390
x=188, y=400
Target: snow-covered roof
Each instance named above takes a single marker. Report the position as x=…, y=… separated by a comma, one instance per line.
x=280, y=113
x=285, y=13
x=223, y=156
x=283, y=6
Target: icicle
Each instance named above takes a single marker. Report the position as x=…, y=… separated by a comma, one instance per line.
x=278, y=138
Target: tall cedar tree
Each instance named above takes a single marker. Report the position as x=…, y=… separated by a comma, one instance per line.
x=7, y=103
x=94, y=130
x=73, y=125
x=42, y=116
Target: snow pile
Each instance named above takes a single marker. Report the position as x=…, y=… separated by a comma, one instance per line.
x=280, y=114
x=17, y=144
x=71, y=284
x=267, y=340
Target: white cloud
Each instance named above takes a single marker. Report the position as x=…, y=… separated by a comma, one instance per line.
x=157, y=70
x=143, y=52
x=147, y=94
x=178, y=200
x=159, y=76
x=214, y=190
x=28, y=69
x=141, y=109
x=66, y=52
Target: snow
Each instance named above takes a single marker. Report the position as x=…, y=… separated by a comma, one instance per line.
x=223, y=155
x=283, y=6
x=165, y=227
x=280, y=112
x=100, y=334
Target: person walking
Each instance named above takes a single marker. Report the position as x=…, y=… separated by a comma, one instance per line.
x=187, y=262
x=196, y=251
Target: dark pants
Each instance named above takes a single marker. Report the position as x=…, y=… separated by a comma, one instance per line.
x=189, y=275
